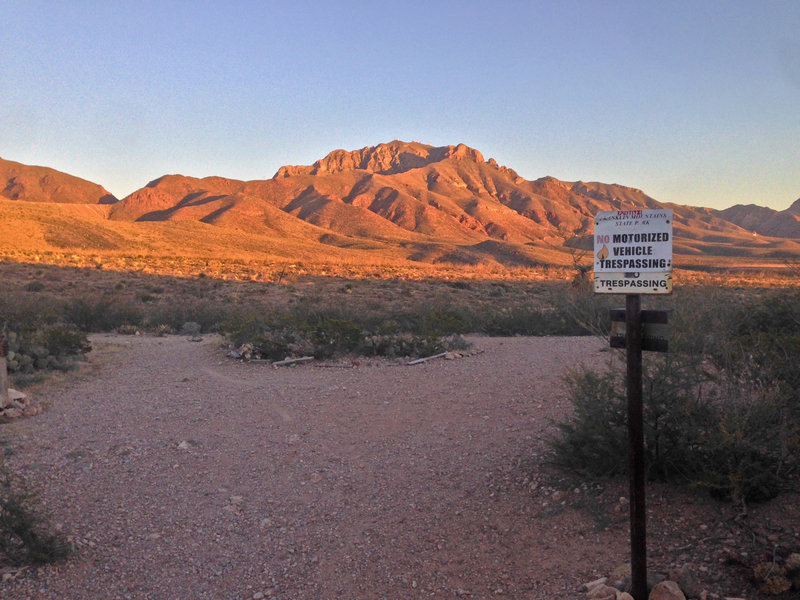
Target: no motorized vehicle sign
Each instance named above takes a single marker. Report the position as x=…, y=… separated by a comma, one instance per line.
x=633, y=252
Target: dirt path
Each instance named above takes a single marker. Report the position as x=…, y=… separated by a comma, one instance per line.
x=182, y=474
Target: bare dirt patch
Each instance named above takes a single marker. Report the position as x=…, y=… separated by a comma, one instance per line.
x=179, y=473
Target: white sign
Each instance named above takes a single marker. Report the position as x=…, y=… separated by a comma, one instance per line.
x=633, y=252
x=633, y=283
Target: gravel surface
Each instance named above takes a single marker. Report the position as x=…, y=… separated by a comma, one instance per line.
x=181, y=474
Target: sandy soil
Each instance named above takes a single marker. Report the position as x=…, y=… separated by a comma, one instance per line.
x=181, y=474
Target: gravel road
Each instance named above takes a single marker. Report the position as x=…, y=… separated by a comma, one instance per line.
x=182, y=474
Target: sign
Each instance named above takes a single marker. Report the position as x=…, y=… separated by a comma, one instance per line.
x=633, y=252
x=655, y=329
x=633, y=283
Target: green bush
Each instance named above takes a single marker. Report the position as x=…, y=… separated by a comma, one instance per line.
x=24, y=535
x=276, y=335
x=44, y=347
x=206, y=313
x=103, y=313
x=403, y=344
x=595, y=439
x=721, y=409
x=690, y=437
x=333, y=336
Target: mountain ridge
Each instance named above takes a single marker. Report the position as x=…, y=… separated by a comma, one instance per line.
x=43, y=184
x=438, y=204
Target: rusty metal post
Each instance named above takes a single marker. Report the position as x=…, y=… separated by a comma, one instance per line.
x=633, y=344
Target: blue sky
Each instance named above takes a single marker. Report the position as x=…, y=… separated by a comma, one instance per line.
x=694, y=102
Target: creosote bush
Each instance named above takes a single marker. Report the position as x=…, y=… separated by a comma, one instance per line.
x=325, y=335
x=721, y=409
x=24, y=534
x=37, y=339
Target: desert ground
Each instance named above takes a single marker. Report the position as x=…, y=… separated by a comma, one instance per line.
x=179, y=473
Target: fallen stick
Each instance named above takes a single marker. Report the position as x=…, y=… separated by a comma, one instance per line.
x=291, y=361
x=427, y=358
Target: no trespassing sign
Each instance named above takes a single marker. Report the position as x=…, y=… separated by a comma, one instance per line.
x=633, y=252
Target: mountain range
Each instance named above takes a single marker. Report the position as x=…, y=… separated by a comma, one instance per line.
x=411, y=200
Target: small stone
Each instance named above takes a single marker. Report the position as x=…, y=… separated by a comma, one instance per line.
x=621, y=578
x=776, y=584
x=685, y=580
x=602, y=592
x=12, y=413
x=32, y=410
x=184, y=445
x=793, y=562
x=16, y=395
x=667, y=590
x=237, y=499
x=593, y=584
x=258, y=596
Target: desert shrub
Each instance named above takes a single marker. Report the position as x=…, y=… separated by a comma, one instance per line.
x=24, y=534
x=690, y=437
x=34, y=286
x=743, y=461
x=64, y=341
x=273, y=336
x=594, y=440
x=403, y=344
x=163, y=329
x=530, y=320
x=332, y=336
x=48, y=347
x=103, y=313
x=28, y=310
x=436, y=323
x=276, y=335
x=720, y=410
x=758, y=366
x=36, y=335
x=280, y=343
x=175, y=313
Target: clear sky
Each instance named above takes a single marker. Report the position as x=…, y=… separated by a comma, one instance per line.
x=695, y=102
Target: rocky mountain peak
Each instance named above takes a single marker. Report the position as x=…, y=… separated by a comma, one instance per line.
x=385, y=159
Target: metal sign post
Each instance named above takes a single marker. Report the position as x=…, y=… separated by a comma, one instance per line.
x=3, y=375
x=633, y=349
x=633, y=256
